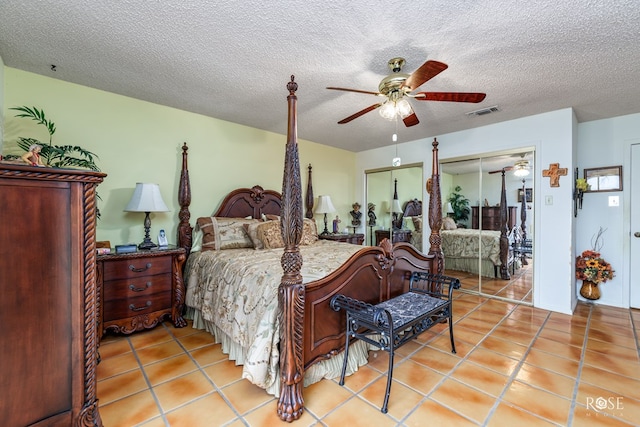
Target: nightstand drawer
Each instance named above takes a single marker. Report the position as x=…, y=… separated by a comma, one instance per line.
x=127, y=268
x=137, y=286
x=125, y=307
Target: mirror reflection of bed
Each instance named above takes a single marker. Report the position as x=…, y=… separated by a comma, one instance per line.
x=491, y=251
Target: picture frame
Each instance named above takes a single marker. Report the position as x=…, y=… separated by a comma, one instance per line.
x=603, y=179
x=529, y=193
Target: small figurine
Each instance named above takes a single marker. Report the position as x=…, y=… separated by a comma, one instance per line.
x=162, y=239
x=32, y=156
x=355, y=214
x=335, y=224
x=372, y=214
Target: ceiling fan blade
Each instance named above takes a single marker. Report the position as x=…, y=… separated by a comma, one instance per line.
x=473, y=97
x=426, y=72
x=411, y=120
x=355, y=90
x=359, y=113
x=503, y=170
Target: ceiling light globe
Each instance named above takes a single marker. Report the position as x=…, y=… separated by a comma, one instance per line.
x=403, y=107
x=388, y=110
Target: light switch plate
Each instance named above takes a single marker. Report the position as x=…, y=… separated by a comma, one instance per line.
x=614, y=201
x=548, y=200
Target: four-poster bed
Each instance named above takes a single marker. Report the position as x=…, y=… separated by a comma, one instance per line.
x=309, y=332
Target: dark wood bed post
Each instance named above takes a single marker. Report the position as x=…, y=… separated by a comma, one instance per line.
x=435, y=210
x=291, y=293
x=184, y=199
x=523, y=220
x=309, y=196
x=504, y=240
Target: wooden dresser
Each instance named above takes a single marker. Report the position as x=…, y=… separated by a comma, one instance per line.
x=138, y=290
x=398, y=236
x=49, y=343
x=491, y=217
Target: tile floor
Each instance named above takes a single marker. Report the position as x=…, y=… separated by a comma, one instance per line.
x=516, y=365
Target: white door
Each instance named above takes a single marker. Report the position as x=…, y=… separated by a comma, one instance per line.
x=634, y=271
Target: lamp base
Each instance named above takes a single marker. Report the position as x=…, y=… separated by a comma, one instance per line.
x=146, y=245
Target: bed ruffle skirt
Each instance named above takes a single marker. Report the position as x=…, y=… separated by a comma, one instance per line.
x=330, y=368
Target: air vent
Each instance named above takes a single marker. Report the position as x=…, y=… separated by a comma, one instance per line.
x=484, y=111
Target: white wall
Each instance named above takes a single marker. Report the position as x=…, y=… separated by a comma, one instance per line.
x=607, y=143
x=552, y=134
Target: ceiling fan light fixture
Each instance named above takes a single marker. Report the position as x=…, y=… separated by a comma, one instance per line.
x=388, y=110
x=521, y=168
x=403, y=108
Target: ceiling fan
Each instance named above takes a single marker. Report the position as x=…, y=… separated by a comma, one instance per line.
x=520, y=168
x=397, y=87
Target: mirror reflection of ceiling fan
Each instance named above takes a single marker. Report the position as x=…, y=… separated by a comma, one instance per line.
x=520, y=168
x=397, y=87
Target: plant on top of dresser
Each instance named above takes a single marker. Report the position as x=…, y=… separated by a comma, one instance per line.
x=460, y=205
x=57, y=156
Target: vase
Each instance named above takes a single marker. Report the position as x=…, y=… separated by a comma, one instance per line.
x=590, y=290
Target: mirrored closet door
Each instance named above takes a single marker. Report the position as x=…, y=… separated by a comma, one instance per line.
x=394, y=204
x=487, y=235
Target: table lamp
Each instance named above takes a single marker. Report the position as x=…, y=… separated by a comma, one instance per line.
x=324, y=207
x=146, y=198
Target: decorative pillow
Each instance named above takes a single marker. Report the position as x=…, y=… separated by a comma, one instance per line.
x=309, y=232
x=196, y=239
x=252, y=232
x=224, y=233
x=417, y=222
x=448, y=223
x=407, y=221
x=270, y=235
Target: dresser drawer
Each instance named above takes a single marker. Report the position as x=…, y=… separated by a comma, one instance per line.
x=125, y=307
x=136, y=286
x=127, y=268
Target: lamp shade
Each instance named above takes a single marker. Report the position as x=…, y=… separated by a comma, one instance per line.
x=449, y=208
x=395, y=206
x=146, y=198
x=324, y=205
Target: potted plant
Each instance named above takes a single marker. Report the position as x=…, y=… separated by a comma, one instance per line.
x=459, y=204
x=57, y=156
x=592, y=269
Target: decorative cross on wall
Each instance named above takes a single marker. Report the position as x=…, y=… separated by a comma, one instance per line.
x=554, y=172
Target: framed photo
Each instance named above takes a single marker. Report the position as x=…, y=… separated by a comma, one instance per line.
x=604, y=179
x=529, y=193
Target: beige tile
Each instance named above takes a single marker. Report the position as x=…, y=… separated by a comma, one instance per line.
x=437, y=415
x=157, y=352
x=557, y=348
x=436, y=359
x=497, y=362
x=208, y=354
x=582, y=416
x=443, y=343
x=612, y=363
x=572, y=338
x=181, y=332
x=463, y=334
x=481, y=378
x=356, y=412
x=553, y=363
x=510, y=334
x=547, y=380
x=469, y=402
x=155, y=422
x=116, y=365
x=130, y=411
x=148, y=337
x=507, y=348
x=206, y=411
x=507, y=415
x=593, y=402
x=224, y=373
x=114, y=348
x=120, y=386
x=538, y=402
x=620, y=340
x=416, y=376
x=322, y=397
x=267, y=416
x=401, y=398
x=197, y=340
x=168, y=369
x=181, y=390
x=629, y=354
x=618, y=384
x=245, y=396
x=361, y=378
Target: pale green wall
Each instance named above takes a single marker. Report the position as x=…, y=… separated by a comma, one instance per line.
x=139, y=141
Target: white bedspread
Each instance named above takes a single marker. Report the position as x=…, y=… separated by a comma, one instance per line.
x=236, y=290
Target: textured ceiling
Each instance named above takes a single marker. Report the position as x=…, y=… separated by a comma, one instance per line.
x=232, y=59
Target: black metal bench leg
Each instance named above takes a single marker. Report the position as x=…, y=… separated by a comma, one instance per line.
x=453, y=344
x=346, y=353
x=389, y=378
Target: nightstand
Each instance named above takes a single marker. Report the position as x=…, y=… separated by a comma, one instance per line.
x=398, y=236
x=355, y=239
x=138, y=290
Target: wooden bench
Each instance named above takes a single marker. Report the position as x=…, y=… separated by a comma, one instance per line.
x=392, y=323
